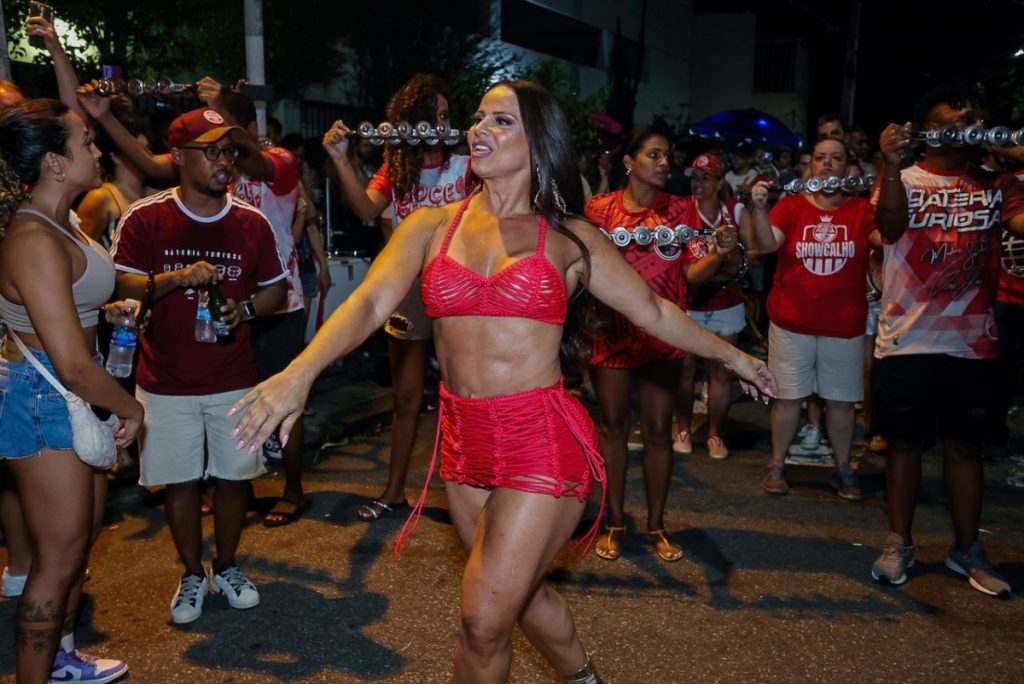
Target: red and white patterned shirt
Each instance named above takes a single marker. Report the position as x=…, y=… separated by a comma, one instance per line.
x=438, y=185
x=941, y=275
x=276, y=199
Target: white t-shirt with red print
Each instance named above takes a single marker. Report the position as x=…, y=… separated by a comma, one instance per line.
x=437, y=186
x=710, y=297
x=819, y=280
x=942, y=273
x=276, y=199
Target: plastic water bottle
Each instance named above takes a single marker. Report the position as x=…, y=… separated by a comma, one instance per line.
x=122, y=343
x=204, y=322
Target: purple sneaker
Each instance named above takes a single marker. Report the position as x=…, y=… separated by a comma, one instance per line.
x=85, y=669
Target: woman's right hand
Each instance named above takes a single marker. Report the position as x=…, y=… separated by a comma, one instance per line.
x=336, y=140
x=277, y=401
x=131, y=425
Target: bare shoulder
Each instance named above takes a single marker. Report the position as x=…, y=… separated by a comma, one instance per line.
x=31, y=246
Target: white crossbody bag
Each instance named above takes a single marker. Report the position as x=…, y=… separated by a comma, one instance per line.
x=92, y=438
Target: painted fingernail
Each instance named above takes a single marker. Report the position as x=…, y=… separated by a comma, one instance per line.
x=234, y=433
x=252, y=449
x=241, y=443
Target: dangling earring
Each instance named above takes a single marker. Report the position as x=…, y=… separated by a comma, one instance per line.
x=59, y=177
x=558, y=199
x=628, y=169
x=536, y=197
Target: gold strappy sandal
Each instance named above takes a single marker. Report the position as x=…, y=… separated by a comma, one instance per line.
x=610, y=545
x=666, y=550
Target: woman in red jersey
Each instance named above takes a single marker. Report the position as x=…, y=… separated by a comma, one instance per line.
x=623, y=351
x=817, y=310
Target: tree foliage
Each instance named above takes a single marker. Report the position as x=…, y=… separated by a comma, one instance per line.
x=371, y=49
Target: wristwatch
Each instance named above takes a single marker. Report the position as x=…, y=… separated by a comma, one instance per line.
x=248, y=309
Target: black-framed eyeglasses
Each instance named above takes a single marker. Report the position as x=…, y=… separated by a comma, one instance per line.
x=213, y=153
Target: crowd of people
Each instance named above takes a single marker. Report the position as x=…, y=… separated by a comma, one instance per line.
x=509, y=261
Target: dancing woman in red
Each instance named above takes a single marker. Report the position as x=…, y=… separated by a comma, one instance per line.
x=622, y=350
x=498, y=270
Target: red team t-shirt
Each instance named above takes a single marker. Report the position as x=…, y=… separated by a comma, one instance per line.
x=617, y=342
x=160, y=234
x=708, y=297
x=819, y=277
x=941, y=275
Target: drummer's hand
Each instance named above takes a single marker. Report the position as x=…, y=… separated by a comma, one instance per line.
x=759, y=195
x=894, y=143
x=336, y=140
x=277, y=401
x=754, y=376
x=725, y=239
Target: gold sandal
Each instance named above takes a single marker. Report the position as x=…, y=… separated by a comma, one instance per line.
x=610, y=547
x=666, y=550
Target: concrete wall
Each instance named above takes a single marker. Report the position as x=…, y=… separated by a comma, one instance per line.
x=723, y=63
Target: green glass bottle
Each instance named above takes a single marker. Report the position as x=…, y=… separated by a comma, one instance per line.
x=215, y=300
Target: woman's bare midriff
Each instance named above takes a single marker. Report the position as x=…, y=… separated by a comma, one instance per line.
x=482, y=357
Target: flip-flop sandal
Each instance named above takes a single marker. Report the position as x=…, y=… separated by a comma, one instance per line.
x=285, y=513
x=610, y=547
x=666, y=550
x=378, y=509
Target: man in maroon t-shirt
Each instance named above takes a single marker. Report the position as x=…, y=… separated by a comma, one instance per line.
x=189, y=237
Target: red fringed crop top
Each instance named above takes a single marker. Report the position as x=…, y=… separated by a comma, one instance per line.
x=529, y=288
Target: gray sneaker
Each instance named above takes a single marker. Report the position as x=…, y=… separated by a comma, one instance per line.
x=979, y=572
x=774, y=480
x=846, y=484
x=892, y=565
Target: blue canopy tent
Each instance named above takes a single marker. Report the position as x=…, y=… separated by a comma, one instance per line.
x=747, y=124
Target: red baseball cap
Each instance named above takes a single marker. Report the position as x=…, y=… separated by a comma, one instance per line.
x=200, y=125
x=708, y=163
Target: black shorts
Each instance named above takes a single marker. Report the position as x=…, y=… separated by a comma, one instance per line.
x=920, y=396
x=277, y=340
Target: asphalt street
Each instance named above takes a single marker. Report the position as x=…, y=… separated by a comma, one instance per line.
x=771, y=589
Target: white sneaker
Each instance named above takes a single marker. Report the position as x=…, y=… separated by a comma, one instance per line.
x=12, y=585
x=232, y=583
x=810, y=437
x=187, y=604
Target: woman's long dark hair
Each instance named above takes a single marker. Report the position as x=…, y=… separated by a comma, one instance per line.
x=414, y=102
x=557, y=192
x=28, y=131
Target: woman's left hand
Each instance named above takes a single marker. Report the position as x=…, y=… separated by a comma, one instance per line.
x=754, y=376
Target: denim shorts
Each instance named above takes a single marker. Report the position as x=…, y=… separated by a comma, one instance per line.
x=33, y=415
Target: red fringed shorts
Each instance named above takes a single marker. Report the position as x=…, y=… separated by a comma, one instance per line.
x=540, y=441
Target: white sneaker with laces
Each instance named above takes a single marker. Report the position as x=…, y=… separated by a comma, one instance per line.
x=187, y=604
x=232, y=583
